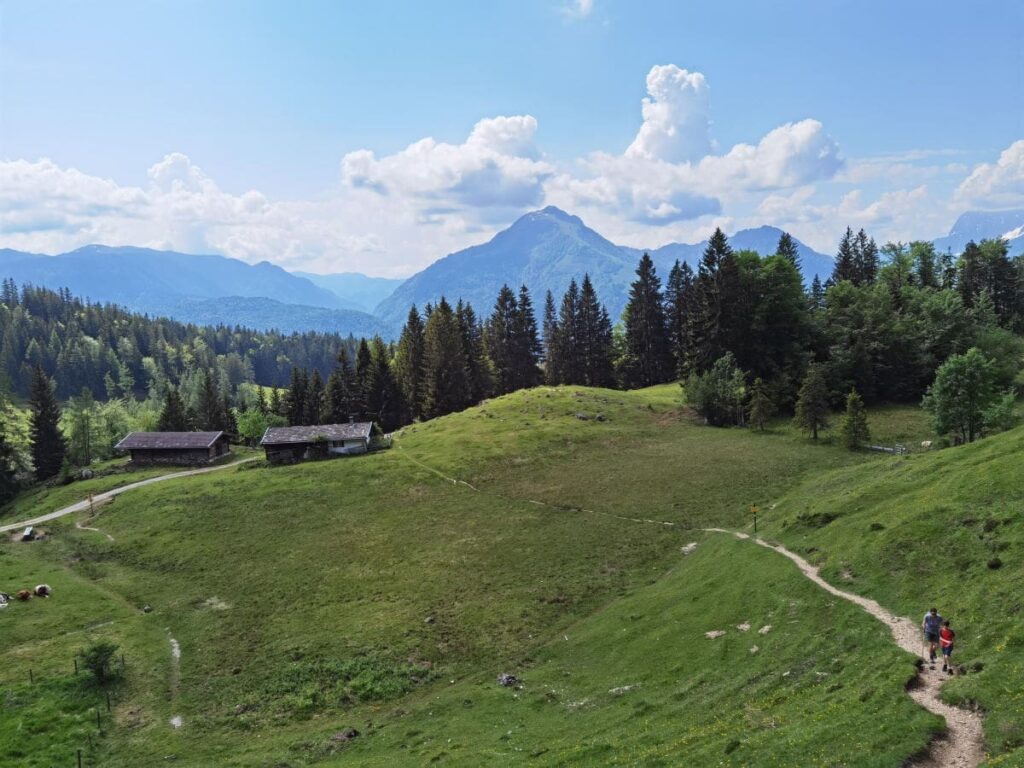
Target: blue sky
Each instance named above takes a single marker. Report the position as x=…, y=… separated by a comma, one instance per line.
x=246, y=128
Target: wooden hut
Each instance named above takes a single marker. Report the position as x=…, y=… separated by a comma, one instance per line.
x=290, y=444
x=175, y=448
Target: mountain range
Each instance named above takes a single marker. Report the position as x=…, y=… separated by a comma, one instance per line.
x=544, y=250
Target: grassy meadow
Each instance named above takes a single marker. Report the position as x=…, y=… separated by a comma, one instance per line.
x=943, y=529
x=375, y=593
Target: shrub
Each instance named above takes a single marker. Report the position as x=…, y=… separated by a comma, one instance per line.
x=98, y=659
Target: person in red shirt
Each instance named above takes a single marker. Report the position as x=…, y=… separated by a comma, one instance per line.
x=946, y=638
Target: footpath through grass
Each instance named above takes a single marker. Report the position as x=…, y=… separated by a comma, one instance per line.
x=943, y=529
x=309, y=598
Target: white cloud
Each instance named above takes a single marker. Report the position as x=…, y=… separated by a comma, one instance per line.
x=998, y=184
x=676, y=113
x=497, y=166
x=394, y=214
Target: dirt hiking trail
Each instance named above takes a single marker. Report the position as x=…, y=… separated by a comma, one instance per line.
x=963, y=744
x=100, y=498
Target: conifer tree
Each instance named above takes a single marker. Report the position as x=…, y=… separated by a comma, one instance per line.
x=716, y=327
x=445, y=380
x=364, y=359
x=594, y=338
x=816, y=297
x=502, y=342
x=408, y=366
x=760, y=408
x=48, y=444
x=209, y=409
x=528, y=349
x=341, y=395
x=295, y=407
x=854, y=424
x=276, y=406
x=173, y=417
x=315, y=402
x=787, y=247
x=478, y=370
x=384, y=398
x=812, y=403
x=866, y=259
x=680, y=314
x=568, y=365
x=647, y=352
x=550, y=340
x=845, y=267
x=261, y=401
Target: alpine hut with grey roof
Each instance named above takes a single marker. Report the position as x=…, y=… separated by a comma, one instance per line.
x=178, y=448
x=285, y=445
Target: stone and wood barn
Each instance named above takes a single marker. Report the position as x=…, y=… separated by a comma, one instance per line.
x=177, y=448
x=285, y=445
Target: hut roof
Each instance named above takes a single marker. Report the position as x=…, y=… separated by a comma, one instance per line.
x=359, y=430
x=168, y=440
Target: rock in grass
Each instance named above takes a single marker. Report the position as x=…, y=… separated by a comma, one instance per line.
x=506, y=680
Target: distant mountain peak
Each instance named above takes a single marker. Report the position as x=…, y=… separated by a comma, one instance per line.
x=551, y=212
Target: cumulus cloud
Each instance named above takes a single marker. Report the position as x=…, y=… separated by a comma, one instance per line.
x=676, y=117
x=998, y=184
x=497, y=166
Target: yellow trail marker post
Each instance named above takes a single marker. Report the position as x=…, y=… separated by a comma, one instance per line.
x=754, y=511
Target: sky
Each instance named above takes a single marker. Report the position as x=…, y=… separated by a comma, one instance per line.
x=377, y=137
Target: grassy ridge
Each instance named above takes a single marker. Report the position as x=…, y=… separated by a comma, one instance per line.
x=927, y=530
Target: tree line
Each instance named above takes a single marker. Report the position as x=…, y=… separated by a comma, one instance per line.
x=740, y=330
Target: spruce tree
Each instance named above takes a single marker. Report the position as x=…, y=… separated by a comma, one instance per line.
x=316, y=403
x=341, y=395
x=502, y=342
x=854, y=424
x=816, y=297
x=48, y=444
x=760, y=408
x=209, y=409
x=595, y=338
x=478, y=370
x=569, y=366
x=680, y=314
x=647, y=352
x=364, y=359
x=866, y=259
x=408, y=366
x=551, y=375
x=845, y=266
x=717, y=287
x=295, y=407
x=528, y=348
x=445, y=380
x=261, y=401
x=276, y=406
x=383, y=397
x=812, y=403
x=173, y=417
x=787, y=247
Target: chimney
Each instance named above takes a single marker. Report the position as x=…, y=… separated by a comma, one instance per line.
x=351, y=419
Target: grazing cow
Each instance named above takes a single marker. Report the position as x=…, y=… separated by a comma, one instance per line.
x=24, y=594
x=43, y=590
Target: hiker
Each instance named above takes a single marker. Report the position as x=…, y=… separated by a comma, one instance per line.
x=931, y=626
x=946, y=638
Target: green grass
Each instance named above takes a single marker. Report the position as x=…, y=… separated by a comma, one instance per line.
x=318, y=596
x=639, y=683
x=924, y=530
